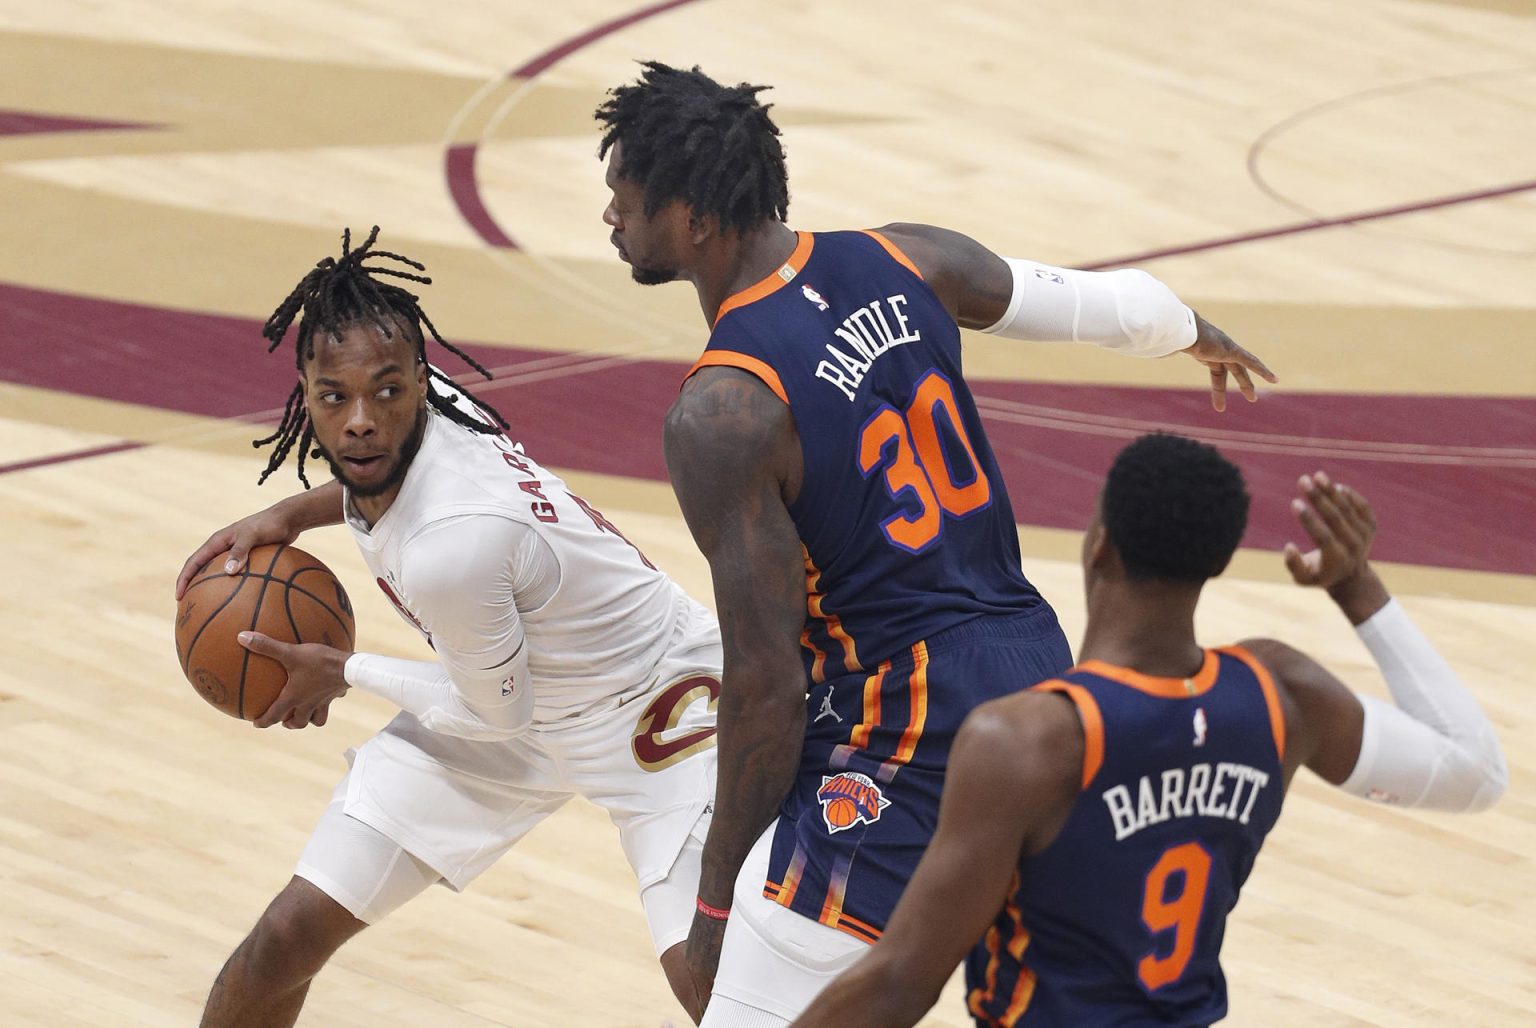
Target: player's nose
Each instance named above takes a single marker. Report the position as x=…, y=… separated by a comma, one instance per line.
x=360, y=420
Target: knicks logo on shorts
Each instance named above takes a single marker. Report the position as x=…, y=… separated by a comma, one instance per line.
x=848, y=799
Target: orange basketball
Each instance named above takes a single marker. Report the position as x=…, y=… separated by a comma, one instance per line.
x=841, y=812
x=284, y=593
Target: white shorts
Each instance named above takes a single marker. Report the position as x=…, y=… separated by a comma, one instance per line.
x=773, y=961
x=449, y=808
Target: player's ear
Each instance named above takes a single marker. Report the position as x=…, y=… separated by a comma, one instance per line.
x=701, y=227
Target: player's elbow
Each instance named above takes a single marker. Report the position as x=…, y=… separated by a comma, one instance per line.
x=1494, y=779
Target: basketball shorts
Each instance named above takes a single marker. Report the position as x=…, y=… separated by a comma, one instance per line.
x=866, y=798
x=455, y=806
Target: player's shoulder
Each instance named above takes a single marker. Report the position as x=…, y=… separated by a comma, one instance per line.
x=1024, y=733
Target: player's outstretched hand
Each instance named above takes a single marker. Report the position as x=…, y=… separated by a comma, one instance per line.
x=1216, y=350
x=315, y=678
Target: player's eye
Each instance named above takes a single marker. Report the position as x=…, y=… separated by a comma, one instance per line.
x=389, y=392
x=332, y=398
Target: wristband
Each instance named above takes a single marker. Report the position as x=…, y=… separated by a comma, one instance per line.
x=713, y=913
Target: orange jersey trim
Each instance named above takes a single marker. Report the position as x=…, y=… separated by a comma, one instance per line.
x=1093, y=723
x=918, y=686
x=1018, y=942
x=833, y=623
x=1167, y=688
x=774, y=282
x=732, y=359
x=859, y=738
x=894, y=250
x=1271, y=695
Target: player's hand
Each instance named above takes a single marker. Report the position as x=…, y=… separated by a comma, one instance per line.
x=1340, y=522
x=269, y=526
x=1216, y=350
x=315, y=678
x=703, y=954
x=282, y=522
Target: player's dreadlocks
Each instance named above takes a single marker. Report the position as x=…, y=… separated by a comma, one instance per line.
x=686, y=137
x=337, y=295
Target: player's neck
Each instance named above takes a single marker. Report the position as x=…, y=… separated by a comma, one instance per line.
x=1147, y=628
x=372, y=508
x=743, y=261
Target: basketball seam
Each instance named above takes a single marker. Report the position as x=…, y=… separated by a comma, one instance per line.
x=192, y=646
x=245, y=658
x=351, y=631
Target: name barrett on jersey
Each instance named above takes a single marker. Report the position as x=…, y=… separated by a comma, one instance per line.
x=1203, y=791
x=868, y=334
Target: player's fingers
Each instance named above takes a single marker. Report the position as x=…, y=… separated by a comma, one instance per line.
x=1335, y=512
x=1362, y=506
x=1244, y=383
x=1219, y=386
x=215, y=545
x=1315, y=526
x=1252, y=363
x=1296, y=564
x=321, y=714
x=266, y=646
x=281, y=709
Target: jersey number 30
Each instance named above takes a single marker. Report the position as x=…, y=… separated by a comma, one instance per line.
x=917, y=464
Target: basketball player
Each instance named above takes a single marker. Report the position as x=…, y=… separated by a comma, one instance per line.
x=562, y=654
x=1104, y=822
x=831, y=465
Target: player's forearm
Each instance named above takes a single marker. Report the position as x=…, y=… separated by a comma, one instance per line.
x=1436, y=748
x=427, y=691
x=761, y=730
x=313, y=508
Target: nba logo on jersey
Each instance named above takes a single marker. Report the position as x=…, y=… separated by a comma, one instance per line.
x=1200, y=726
x=848, y=799
x=815, y=297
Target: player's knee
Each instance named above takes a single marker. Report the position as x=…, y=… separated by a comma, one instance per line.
x=298, y=933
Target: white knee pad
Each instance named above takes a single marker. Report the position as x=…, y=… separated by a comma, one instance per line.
x=361, y=868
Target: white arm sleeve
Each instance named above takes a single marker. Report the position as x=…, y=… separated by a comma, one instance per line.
x=1127, y=311
x=1436, y=748
x=463, y=578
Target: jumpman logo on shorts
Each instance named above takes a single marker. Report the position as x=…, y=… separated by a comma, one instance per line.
x=826, y=708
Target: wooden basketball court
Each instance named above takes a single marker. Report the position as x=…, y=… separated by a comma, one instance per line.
x=1349, y=189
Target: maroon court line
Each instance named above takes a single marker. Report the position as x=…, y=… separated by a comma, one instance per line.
x=65, y=458
x=1314, y=225
x=459, y=162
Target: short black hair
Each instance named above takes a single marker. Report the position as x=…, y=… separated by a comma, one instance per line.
x=1174, y=509
x=341, y=293
x=686, y=137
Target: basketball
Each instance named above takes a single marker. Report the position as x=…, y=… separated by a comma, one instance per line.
x=283, y=593
x=841, y=812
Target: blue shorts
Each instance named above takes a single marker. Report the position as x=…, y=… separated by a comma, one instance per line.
x=866, y=797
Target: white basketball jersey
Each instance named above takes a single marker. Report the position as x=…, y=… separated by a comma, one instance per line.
x=595, y=637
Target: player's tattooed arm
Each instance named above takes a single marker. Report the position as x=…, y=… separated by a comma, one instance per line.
x=283, y=522
x=734, y=460
x=974, y=284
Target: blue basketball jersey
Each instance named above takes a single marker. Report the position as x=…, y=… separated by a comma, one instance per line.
x=1120, y=919
x=903, y=515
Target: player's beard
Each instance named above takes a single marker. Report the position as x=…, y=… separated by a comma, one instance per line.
x=653, y=276
x=396, y=472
